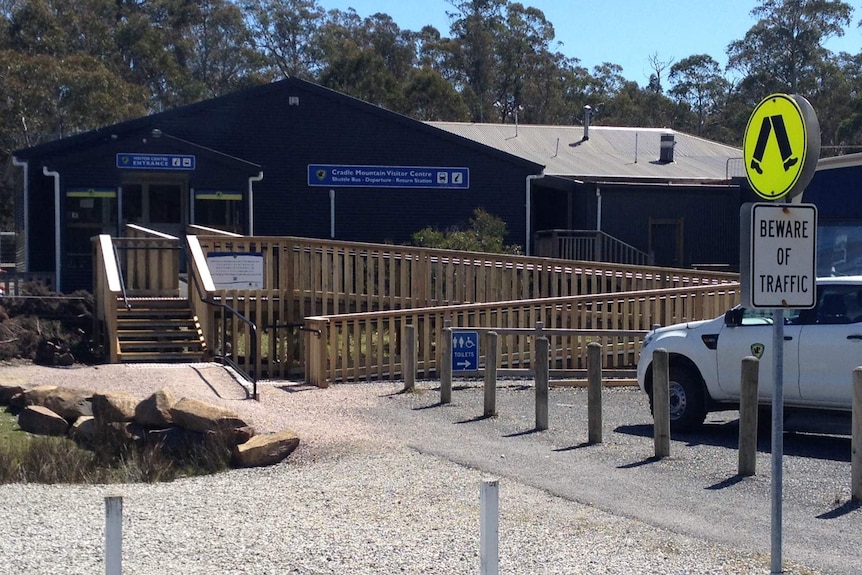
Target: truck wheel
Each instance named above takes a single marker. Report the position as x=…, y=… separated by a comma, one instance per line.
x=687, y=400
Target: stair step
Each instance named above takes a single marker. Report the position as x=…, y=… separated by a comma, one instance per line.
x=161, y=357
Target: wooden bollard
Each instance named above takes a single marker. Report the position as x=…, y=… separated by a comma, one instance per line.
x=594, y=392
x=661, y=402
x=408, y=357
x=490, y=374
x=856, y=438
x=748, y=417
x=446, y=368
x=542, y=376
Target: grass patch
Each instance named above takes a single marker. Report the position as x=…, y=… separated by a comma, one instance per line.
x=27, y=458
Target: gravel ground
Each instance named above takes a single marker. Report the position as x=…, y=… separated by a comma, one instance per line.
x=382, y=483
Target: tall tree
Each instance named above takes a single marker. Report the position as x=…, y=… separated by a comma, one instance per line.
x=783, y=49
x=698, y=82
x=287, y=32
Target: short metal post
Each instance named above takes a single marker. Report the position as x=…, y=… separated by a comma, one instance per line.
x=542, y=377
x=113, y=535
x=446, y=368
x=408, y=357
x=489, y=534
x=661, y=402
x=594, y=392
x=490, y=374
x=748, y=417
x=856, y=438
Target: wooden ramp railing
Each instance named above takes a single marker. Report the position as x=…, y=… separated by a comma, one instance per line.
x=366, y=346
x=356, y=297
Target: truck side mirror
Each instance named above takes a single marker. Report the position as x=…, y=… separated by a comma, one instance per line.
x=733, y=317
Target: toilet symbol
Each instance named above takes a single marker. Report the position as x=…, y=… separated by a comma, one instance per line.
x=769, y=124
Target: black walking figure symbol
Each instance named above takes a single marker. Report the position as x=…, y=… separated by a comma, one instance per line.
x=769, y=123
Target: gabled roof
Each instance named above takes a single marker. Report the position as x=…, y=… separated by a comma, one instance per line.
x=610, y=153
x=845, y=161
x=281, y=89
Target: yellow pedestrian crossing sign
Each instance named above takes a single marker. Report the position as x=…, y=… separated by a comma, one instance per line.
x=781, y=146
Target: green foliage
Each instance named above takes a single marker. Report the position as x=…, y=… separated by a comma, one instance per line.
x=485, y=233
x=73, y=65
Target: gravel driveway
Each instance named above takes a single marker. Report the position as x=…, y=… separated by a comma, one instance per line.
x=386, y=482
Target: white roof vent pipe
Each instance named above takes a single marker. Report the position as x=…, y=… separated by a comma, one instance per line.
x=665, y=152
x=588, y=113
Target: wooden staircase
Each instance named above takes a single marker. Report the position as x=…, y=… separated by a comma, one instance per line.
x=159, y=329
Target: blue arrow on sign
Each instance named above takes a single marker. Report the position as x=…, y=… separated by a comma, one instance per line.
x=465, y=350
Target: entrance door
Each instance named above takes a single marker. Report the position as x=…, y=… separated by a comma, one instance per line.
x=666, y=242
x=88, y=213
x=158, y=205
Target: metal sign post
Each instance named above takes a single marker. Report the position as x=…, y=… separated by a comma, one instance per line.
x=779, y=243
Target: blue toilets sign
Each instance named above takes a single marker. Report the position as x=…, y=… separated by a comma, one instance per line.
x=465, y=350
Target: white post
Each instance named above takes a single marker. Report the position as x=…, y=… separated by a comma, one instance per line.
x=489, y=559
x=856, y=438
x=113, y=535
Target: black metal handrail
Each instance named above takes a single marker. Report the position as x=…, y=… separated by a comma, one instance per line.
x=226, y=312
x=122, y=278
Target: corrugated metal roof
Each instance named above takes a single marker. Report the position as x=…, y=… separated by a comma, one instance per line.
x=609, y=153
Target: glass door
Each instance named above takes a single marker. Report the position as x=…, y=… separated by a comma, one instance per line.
x=156, y=205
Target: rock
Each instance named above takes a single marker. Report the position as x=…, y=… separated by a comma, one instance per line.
x=243, y=434
x=36, y=395
x=266, y=449
x=84, y=429
x=7, y=390
x=42, y=421
x=68, y=403
x=155, y=411
x=120, y=434
x=203, y=417
x=114, y=406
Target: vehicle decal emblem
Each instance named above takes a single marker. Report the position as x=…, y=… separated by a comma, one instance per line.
x=757, y=350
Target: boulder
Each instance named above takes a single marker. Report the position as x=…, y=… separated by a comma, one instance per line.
x=34, y=395
x=203, y=417
x=121, y=434
x=42, y=421
x=113, y=406
x=155, y=411
x=68, y=403
x=266, y=449
x=84, y=429
x=7, y=390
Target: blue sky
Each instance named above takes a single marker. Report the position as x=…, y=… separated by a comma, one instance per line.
x=624, y=32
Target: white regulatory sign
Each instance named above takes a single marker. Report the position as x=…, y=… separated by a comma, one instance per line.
x=778, y=258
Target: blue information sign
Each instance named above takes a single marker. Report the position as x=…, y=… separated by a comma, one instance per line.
x=155, y=162
x=465, y=350
x=337, y=176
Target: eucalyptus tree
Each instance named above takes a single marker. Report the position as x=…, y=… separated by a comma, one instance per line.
x=697, y=82
x=785, y=47
x=287, y=33
x=369, y=58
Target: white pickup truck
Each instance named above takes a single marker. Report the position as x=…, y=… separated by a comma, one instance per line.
x=822, y=347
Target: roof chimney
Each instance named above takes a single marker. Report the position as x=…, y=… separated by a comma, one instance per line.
x=665, y=152
x=588, y=112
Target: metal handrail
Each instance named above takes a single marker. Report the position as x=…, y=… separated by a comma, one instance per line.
x=122, y=279
x=227, y=309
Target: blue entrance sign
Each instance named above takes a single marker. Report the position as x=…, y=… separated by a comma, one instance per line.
x=465, y=350
x=155, y=162
x=336, y=176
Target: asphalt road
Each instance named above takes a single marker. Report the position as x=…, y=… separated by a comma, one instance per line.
x=695, y=491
